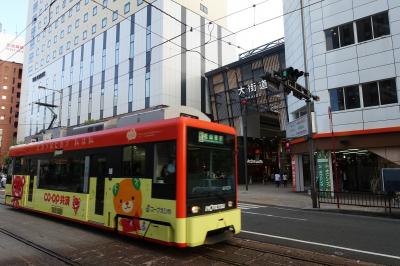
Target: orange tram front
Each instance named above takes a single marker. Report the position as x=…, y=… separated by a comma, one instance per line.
x=172, y=181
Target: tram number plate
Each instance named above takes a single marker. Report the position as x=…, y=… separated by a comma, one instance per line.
x=57, y=210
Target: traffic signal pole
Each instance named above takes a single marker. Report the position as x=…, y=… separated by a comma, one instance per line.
x=308, y=102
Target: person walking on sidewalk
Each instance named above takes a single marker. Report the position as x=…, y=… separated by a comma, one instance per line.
x=277, y=179
x=285, y=179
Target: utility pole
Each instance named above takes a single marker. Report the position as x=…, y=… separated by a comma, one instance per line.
x=286, y=79
x=308, y=103
x=244, y=120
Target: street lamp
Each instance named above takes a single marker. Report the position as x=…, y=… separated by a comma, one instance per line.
x=60, y=105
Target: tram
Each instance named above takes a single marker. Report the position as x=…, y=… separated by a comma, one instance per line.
x=170, y=181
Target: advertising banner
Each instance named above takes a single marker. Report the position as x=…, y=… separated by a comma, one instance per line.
x=323, y=172
x=297, y=128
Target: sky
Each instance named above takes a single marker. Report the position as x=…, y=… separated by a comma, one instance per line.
x=13, y=16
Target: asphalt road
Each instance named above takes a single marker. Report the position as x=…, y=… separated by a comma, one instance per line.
x=373, y=239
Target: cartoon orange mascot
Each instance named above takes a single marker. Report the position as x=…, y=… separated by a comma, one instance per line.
x=17, y=189
x=128, y=201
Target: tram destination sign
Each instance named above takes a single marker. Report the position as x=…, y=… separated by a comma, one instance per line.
x=205, y=137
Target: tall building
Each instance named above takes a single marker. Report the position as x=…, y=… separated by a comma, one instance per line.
x=96, y=59
x=353, y=60
x=10, y=91
x=241, y=99
x=11, y=58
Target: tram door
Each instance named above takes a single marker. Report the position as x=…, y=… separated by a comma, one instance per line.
x=98, y=168
x=33, y=170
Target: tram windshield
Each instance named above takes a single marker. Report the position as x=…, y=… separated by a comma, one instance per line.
x=210, y=163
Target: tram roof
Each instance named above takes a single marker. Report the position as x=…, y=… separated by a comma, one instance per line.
x=160, y=130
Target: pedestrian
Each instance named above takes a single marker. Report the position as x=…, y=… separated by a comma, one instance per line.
x=285, y=179
x=277, y=179
x=3, y=180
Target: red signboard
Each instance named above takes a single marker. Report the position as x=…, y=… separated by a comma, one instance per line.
x=293, y=173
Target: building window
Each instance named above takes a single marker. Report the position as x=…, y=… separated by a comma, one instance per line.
x=2, y=117
x=3, y=97
x=77, y=23
x=85, y=17
x=78, y=6
x=203, y=8
x=76, y=40
x=3, y=107
x=339, y=36
x=127, y=7
x=84, y=35
x=115, y=15
x=86, y=2
x=5, y=87
x=364, y=29
x=380, y=24
x=139, y=2
x=379, y=92
x=60, y=51
x=104, y=22
x=95, y=11
x=387, y=91
x=373, y=27
x=105, y=2
x=345, y=98
x=69, y=28
x=94, y=29
x=68, y=45
x=55, y=39
x=61, y=34
x=370, y=94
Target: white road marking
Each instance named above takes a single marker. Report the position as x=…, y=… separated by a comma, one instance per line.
x=246, y=206
x=325, y=245
x=276, y=216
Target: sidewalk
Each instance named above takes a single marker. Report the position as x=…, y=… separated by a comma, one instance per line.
x=269, y=194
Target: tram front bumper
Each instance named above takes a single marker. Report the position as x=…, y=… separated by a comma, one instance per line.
x=212, y=228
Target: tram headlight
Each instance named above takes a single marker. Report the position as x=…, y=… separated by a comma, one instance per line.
x=230, y=203
x=195, y=209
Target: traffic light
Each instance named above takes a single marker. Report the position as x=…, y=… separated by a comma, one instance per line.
x=291, y=74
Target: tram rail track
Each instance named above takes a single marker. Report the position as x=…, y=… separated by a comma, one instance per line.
x=38, y=247
x=230, y=252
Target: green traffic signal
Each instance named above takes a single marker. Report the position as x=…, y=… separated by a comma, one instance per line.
x=291, y=74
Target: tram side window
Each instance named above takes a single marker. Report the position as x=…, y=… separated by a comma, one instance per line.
x=21, y=166
x=134, y=161
x=164, y=178
x=64, y=173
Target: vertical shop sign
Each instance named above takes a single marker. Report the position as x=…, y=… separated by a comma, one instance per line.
x=294, y=173
x=323, y=172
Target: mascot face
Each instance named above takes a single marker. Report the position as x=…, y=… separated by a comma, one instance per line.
x=128, y=197
x=18, y=186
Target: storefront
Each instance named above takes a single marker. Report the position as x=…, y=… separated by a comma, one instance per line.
x=359, y=156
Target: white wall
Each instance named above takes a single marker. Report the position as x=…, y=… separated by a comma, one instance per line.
x=372, y=60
